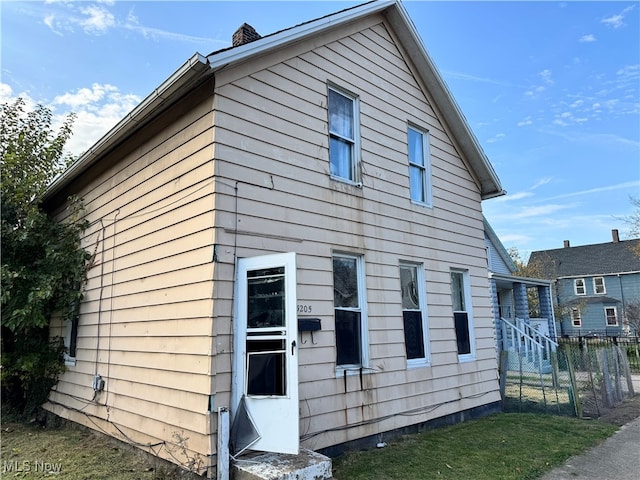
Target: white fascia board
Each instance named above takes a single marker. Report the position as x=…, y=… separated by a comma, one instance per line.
x=410, y=38
x=525, y=280
x=182, y=78
x=269, y=42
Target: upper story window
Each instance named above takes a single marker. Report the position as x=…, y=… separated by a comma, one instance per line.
x=598, y=285
x=343, y=136
x=419, y=166
x=463, y=319
x=578, y=286
x=414, y=314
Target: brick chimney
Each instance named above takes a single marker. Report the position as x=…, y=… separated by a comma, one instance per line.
x=245, y=34
x=615, y=236
x=566, y=244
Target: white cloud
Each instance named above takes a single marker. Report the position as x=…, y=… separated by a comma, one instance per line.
x=607, y=188
x=98, y=20
x=513, y=196
x=97, y=110
x=525, y=121
x=546, y=76
x=496, y=138
x=617, y=20
x=587, y=38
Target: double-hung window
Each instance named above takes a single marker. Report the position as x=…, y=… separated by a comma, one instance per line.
x=343, y=136
x=579, y=287
x=349, y=310
x=598, y=286
x=419, y=166
x=612, y=316
x=414, y=315
x=576, y=318
x=462, y=316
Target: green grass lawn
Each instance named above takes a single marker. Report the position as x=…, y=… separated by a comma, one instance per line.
x=503, y=446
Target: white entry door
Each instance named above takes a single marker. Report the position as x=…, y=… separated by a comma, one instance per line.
x=265, y=375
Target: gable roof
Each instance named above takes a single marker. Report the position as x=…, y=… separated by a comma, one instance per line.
x=199, y=67
x=597, y=259
x=498, y=246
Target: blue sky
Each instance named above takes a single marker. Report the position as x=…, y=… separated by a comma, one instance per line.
x=550, y=89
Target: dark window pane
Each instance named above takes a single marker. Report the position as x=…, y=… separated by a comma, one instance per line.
x=457, y=291
x=265, y=301
x=266, y=374
x=462, y=332
x=413, y=335
x=345, y=282
x=348, y=337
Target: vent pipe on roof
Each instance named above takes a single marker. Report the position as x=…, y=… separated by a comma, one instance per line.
x=615, y=235
x=566, y=244
x=245, y=34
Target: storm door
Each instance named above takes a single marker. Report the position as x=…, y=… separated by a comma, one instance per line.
x=265, y=377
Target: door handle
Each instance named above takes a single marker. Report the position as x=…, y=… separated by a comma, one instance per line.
x=293, y=345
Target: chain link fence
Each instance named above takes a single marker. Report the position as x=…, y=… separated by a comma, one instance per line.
x=582, y=377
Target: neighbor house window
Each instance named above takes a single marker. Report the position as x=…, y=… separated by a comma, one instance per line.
x=576, y=318
x=349, y=310
x=578, y=286
x=612, y=316
x=414, y=314
x=598, y=285
x=70, y=340
x=419, y=166
x=462, y=317
x=343, y=135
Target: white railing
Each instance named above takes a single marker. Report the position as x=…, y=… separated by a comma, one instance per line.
x=527, y=341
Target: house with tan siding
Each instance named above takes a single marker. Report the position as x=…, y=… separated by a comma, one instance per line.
x=289, y=230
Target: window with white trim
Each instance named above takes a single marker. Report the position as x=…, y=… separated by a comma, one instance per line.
x=576, y=318
x=611, y=313
x=414, y=315
x=350, y=311
x=70, y=340
x=578, y=286
x=343, y=135
x=598, y=285
x=462, y=315
x=419, y=165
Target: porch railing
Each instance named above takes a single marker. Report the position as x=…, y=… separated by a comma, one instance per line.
x=530, y=344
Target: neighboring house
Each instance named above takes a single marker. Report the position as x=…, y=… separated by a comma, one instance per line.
x=515, y=299
x=292, y=229
x=593, y=285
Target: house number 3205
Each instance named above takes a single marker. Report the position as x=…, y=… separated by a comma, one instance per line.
x=304, y=308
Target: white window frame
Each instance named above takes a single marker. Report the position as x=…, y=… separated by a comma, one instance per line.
x=595, y=286
x=576, y=287
x=466, y=288
x=615, y=317
x=422, y=308
x=576, y=317
x=425, y=169
x=354, y=167
x=362, y=309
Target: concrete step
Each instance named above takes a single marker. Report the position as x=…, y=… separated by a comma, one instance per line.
x=307, y=465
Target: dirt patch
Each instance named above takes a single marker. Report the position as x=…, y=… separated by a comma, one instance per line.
x=623, y=413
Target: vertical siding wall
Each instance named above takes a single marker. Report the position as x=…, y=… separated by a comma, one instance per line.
x=274, y=194
x=145, y=322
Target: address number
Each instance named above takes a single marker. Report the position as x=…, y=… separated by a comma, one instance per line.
x=304, y=308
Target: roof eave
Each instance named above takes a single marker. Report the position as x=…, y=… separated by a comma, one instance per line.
x=171, y=89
